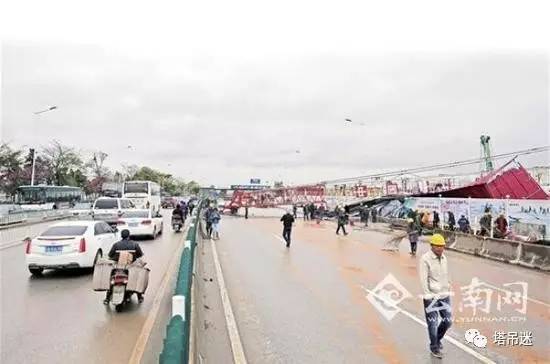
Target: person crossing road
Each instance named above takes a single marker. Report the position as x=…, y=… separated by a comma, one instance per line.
x=342, y=221
x=287, y=220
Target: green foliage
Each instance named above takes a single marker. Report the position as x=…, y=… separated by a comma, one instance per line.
x=58, y=164
x=63, y=161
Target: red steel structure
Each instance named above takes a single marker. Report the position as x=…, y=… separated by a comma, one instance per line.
x=506, y=182
x=298, y=195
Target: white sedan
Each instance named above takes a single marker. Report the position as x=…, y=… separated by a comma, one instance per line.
x=141, y=222
x=70, y=244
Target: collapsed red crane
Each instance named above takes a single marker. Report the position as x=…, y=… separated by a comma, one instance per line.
x=278, y=197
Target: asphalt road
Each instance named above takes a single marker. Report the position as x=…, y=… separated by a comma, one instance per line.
x=58, y=318
x=308, y=304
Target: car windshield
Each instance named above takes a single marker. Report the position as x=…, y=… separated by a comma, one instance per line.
x=130, y=214
x=65, y=230
x=136, y=188
x=106, y=204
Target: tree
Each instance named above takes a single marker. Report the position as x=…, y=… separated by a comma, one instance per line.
x=11, y=173
x=96, y=164
x=129, y=171
x=42, y=172
x=193, y=187
x=62, y=159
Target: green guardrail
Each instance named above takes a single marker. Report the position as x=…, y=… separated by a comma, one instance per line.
x=176, y=343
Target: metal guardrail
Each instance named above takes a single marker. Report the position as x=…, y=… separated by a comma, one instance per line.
x=176, y=343
x=32, y=216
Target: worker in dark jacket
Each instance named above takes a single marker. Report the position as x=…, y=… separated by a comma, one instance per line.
x=287, y=220
x=451, y=221
x=342, y=221
x=124, y=244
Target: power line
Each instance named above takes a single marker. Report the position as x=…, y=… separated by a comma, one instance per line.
x=439, y=166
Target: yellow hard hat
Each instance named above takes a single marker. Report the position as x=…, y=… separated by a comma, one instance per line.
x=437, y=240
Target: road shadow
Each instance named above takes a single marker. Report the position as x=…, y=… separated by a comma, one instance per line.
x=62, y=274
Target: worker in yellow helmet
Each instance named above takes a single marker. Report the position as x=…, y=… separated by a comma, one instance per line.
x=434, y=278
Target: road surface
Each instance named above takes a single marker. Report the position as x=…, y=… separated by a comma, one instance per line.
x=308, y=304
x=57, y=318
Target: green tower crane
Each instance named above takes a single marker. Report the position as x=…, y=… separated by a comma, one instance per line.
x=487, y=164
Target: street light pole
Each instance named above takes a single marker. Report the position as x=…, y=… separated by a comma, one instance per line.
x=33, y=151
x=33, y=154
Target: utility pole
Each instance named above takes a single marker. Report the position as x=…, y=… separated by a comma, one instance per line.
x=32, y=155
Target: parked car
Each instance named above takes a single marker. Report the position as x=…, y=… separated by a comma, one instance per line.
x=70, y=244
x=110, y=209
x=168, y=203
x=141, y=222
x=82, y=209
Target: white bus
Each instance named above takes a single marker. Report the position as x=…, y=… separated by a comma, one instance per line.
x=144, y=194
x=43, y=197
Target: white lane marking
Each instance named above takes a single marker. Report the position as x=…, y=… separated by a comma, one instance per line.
x=11, y=245
x=507, y=291
x=234, y=337
x=143, y=337
x=456, y=343
x=279, y=238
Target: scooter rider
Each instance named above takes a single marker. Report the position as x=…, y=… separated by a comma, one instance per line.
x=178, y=211
x=124, y=244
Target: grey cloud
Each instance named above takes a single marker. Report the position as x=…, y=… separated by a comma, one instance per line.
x=226, y=120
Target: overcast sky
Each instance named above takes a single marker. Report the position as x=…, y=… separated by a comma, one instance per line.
x=224, y=95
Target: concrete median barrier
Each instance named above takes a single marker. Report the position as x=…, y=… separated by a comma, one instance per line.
x=535, y=256
x=504, y=250
x=467, y=244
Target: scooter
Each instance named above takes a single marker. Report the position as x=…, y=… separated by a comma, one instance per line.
x=119, y=294
x=177, y=223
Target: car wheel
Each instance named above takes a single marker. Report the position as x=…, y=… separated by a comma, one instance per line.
x=161, y=228
x=154, y=233
x=36, y=271
x=119, y=307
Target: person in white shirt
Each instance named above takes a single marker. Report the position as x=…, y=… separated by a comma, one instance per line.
x=434, y=278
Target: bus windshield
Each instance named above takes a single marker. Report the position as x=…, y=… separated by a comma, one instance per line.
x=137, y=187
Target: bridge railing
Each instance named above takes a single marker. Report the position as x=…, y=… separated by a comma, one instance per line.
x=176, y=343
x=32, y=216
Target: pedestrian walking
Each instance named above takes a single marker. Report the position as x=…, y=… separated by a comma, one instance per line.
x=374, y=214
x=435, y=223
x=412, y=232
x=434, y=279
x=311, y=211
x=464, y=224
x=342, y=221
x=215, y=217
x=295, y=211
x=367, y=213
x=208, y=219
x=246, y=212
x=305, y=212
x=287, y=220
x=451, y=221
x=485, y=223
x=501, y=227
